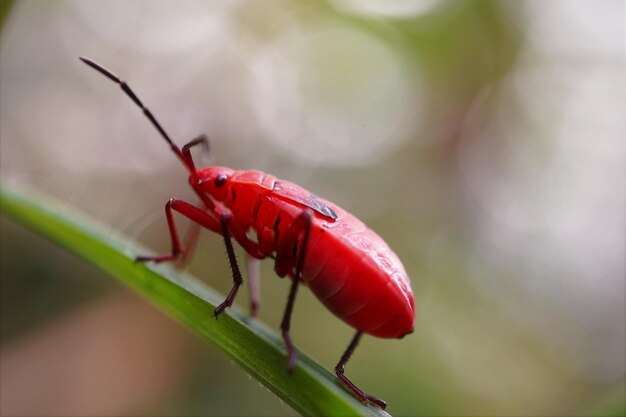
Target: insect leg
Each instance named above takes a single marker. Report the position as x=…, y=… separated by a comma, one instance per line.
x=250, y=246
x=234, y=266
x=254, y=275
x=339, y=369
x=194, y=214
x=189, y=243
x=300, y=228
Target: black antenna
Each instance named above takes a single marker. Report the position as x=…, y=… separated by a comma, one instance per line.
x=143, y=108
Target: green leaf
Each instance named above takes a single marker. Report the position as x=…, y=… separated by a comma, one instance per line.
x=311, y=390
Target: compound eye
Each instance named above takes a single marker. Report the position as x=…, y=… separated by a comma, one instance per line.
x=220, y=180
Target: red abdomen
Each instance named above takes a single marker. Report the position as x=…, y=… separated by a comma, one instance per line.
x=358, y=277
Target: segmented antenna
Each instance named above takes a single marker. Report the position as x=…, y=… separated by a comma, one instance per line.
x=138, y=102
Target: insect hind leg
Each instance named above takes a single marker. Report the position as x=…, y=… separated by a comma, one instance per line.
x=339, y=371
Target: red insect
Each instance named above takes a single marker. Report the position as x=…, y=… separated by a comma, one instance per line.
x=347, y=266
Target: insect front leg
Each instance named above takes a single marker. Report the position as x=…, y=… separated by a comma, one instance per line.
x=210, y=222
x=193, y=213
x=189, y=244
x=339, y=369
x=297, y=236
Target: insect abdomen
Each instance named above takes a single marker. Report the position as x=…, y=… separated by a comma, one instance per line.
x=357, y=277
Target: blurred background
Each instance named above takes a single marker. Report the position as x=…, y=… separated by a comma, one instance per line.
x=484, y=140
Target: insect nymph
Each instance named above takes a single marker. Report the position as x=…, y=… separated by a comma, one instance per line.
x=350, y=269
